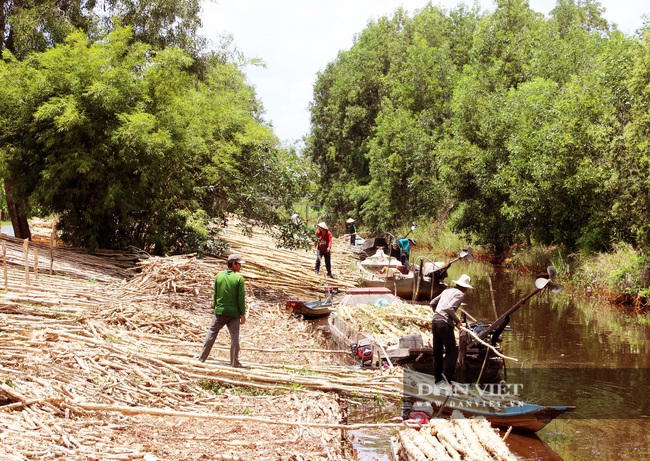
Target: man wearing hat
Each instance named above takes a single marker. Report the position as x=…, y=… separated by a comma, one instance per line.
x=229, y=302
x=444, y=321
x=352, y=230
x=323, y=245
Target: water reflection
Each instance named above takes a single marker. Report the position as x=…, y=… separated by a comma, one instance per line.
x=595, y=358
x=562, y=334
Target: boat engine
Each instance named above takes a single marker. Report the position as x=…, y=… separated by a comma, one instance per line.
x=419, y=413
x=362, y=350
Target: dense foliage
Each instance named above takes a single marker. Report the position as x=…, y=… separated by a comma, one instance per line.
x=130, y=139
x=520, y=127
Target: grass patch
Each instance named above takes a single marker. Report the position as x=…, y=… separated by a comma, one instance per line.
x=623, y=272
x=221, y=389
x=535, y=258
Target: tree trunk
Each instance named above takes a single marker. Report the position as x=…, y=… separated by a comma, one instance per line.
x=16, y=213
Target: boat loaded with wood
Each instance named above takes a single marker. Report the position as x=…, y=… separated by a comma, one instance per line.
x=385, y=331
x=423, y=282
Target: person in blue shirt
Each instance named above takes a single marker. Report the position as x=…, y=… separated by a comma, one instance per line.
x=405, y=251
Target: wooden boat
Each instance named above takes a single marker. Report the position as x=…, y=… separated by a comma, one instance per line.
x=476, y=361
x=412, y=349
x=385, y=271
x=345, y=336
x=312, y=309
x=503, y=408
x=423, y=282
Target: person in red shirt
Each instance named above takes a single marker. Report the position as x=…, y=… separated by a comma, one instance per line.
x=323, y=246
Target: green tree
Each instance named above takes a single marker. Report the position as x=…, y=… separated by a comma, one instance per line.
x=635, y=182
x=35, y=25
x=129, y=147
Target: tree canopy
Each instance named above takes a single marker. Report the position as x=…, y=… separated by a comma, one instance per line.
x=516, y=126
x=116, y=118
x=128, y=147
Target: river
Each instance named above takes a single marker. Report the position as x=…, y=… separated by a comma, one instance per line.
x=571, y=350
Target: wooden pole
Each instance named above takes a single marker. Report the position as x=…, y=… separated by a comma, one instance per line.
x=36, y=263
x=26, y=252
x=51, y=249
x=4, y=263
x=494, y=306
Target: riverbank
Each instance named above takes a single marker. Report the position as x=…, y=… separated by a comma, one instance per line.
x=620, y=277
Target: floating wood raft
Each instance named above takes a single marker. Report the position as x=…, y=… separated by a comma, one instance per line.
x=454, y=439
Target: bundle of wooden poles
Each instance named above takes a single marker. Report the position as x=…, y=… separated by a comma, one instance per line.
x=454, y=440
x=388, y=323
x=93, y=344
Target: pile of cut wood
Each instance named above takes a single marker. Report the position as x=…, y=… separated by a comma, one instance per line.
x=454, y=439
x=96, y=361
x=388, y=323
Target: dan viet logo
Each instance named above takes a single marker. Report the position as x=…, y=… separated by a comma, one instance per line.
x=472, y=394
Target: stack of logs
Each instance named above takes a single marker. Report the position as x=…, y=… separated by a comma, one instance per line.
x=455, y=439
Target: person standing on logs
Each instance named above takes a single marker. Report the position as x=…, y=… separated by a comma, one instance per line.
x=323, y=246
x=445, y=319
x=352, y=230
x=229, y=303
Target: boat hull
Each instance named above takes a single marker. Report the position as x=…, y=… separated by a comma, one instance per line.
x=310, y=310
x=500, y=409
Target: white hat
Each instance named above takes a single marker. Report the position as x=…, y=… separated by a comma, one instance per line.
x=463, y=281
x=323, y=225
x=349, y=220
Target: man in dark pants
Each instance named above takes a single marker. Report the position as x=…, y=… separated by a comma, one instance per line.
x=405, y=251
x=323, y=247
x=229, y=303
x=352, y=230
x=444, y=320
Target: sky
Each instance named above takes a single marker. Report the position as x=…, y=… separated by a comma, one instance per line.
x=298, y=38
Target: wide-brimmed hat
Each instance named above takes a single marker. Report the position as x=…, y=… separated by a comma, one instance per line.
x=350, y=220
x=235, y=258
x=463, y=281
x=323, y=225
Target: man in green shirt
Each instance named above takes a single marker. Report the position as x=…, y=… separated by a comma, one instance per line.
x=229, y=303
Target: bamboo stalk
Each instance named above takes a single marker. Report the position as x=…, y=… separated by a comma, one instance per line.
x=215, y=416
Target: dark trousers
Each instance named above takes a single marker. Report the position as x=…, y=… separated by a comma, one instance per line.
x=404, y=259
x=218, y=322
x=328, y=261
x=444, y=339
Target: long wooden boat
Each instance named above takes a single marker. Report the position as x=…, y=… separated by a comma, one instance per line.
x=422, y=283
x=312, y=309
x=503, y=409
x=412, y=349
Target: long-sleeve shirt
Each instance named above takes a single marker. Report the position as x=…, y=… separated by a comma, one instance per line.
x=229, y=295
x=446, y=304
x=405, y=245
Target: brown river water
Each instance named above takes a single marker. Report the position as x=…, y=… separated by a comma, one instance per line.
x=571, y=350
